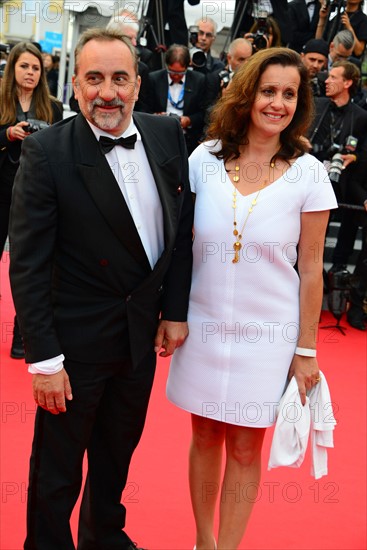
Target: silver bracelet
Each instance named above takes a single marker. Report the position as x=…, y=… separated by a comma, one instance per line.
x=306, y=352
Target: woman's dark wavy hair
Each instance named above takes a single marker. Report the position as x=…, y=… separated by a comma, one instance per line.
x=230, y=117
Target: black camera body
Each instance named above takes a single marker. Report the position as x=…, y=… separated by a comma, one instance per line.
x=261, y=36
x=5, y=48
x=224, y=78
x=336, y=151
x=198, y=58
x=193, y=34
x=34, y=125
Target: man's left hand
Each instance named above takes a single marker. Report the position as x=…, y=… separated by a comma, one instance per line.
x=170, y=335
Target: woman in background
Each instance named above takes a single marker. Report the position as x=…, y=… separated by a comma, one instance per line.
x=24, y=95
x=264, y=33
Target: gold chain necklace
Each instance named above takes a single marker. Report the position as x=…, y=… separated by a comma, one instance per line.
x=237, y=245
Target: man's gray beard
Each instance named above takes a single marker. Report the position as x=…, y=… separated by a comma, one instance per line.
x=106, y=121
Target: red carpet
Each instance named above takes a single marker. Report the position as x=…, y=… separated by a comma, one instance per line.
x=293, y=510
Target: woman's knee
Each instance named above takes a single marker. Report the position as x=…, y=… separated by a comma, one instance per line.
x=244, y=447
x=207, y=433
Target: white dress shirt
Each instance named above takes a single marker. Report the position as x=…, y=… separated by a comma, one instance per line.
x=294, y=424
x=135, y=179
x=176, y=91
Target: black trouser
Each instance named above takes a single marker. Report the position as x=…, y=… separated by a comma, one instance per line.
x=6, y=188
x=358, y=291
x=346, y=237
x=106, y=417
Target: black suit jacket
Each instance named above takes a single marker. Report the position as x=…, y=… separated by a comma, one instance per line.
x=81, y=281
x=303, y=29
x=172, y=13
x=193, y=101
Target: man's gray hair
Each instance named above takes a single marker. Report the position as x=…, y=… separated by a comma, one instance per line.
x=103, y=35
x=345, y=38
x=120, y=23
x=208, y=20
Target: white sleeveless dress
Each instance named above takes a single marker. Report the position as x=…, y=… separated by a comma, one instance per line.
x=243, y=318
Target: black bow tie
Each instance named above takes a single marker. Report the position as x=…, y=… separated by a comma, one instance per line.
x=172, y=83
x=107, y=144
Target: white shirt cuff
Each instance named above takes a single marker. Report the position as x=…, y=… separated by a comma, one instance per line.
x=49, y=366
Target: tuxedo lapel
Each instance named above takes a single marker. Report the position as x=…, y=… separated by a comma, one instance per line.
x=101, y=184
x=164, y=170
x=315, y=16
x=188, y=95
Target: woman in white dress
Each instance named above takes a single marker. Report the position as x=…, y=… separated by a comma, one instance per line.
x=261, y=203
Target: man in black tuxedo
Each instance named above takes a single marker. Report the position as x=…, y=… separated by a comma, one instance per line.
x=100, y=248
x=304, y=16
x=180, y=92
x=172, y=13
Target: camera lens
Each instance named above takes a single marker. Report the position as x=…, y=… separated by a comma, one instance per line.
x=260, y=42
x=198, y=58
x=336, y=167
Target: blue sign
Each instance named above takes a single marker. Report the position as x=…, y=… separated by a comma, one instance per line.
x=52, y=40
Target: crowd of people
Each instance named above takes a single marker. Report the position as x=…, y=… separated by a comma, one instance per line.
x=168, y=179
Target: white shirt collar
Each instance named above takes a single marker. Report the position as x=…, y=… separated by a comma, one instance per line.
x=174, y=83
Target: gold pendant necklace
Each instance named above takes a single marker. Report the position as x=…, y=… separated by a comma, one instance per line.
x=237, y=245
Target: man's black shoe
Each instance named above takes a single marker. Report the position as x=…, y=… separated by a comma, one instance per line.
x=356, y=323
x=335, y=268
x=17, y=346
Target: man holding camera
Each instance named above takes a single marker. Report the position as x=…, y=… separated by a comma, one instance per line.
x=339, y=138
x=340, y=126
x=239, y=52
x=202, y=36
x=247, y=11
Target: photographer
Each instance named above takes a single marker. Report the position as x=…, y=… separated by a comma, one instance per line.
x=202, y=36
x=26, y=106
x=351, y=17
x=339, y=138
x=247, y=11
x=239, y=52
x=264, y=33
x=339, y=132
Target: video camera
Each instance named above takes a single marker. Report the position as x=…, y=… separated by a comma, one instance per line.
x=261, y=36
x=336, y=151
x=198, y=56
x=34, y=125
